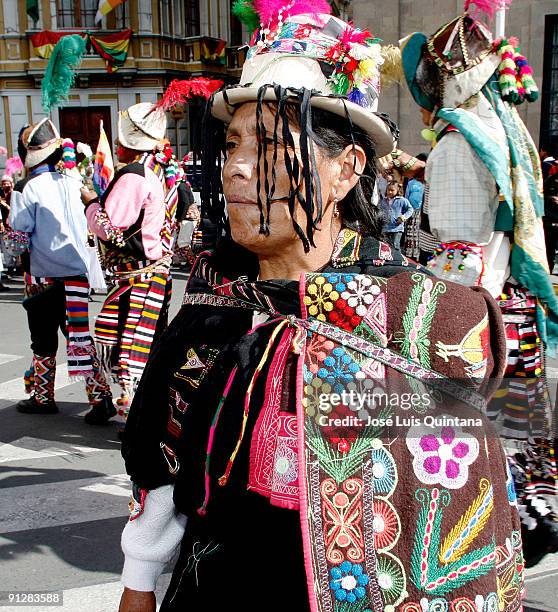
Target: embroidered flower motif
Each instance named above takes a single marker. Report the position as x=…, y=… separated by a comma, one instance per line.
x=360, y=294
x=385, y=524
x=344, y=315
x=320, y=297
x=338, y=369
x=348, y=582
x=442, y=457
x=285, y=465
x=311, y=399
x=317, y=350
x=384, y=471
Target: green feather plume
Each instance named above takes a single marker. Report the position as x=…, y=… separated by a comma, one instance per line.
x=245, y=12
x=60, y=73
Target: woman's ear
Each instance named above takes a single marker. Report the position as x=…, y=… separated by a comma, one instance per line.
x=352, y=162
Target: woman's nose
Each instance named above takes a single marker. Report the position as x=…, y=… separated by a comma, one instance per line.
x=241, y=165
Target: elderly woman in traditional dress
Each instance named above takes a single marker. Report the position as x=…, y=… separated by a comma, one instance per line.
x=310, y=428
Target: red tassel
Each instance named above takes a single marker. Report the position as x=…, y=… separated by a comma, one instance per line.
x=179, y=92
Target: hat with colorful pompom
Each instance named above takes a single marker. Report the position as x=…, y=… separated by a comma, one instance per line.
x=300, y=45
x=454, y=64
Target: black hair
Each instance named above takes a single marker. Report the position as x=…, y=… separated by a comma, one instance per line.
x=21, y=150
x=331, y=133
x=422, y=157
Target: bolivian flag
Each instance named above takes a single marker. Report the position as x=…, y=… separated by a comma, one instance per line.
x=105, y=7
x=45, y=41
x=113, y=48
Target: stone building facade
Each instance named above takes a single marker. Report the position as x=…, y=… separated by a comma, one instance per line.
x=534, y=22
x=169, y=39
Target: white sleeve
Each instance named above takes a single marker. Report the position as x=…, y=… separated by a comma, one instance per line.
x=22, y=211
x=150, y=541
x=462, y=194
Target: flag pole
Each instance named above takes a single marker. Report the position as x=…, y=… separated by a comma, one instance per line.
x=500, y=23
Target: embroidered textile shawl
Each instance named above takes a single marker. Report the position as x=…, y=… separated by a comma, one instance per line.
x=517, y=173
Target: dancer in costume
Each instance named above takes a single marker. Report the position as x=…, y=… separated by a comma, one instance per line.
x=134, y=221
x=484, y=206
x=234, y=424
x=50, y=214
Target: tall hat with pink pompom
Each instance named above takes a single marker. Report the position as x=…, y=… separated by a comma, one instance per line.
x=452, y=65
x=298, y=45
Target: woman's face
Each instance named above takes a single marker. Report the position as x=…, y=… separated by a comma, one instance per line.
x=240, y=184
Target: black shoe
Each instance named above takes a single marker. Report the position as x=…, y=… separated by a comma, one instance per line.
x=32, y=406
x=101, y=412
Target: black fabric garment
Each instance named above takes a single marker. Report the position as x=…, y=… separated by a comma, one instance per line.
x=221, y=560
x=46, y=314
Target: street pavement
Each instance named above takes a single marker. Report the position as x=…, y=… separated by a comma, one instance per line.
x=64, y=491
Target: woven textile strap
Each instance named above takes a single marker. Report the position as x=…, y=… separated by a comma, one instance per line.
x=394, y=360
x=366, y=347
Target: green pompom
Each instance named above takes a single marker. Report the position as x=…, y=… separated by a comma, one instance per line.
x=245, y=12
x=60, y=72
x=341, y=84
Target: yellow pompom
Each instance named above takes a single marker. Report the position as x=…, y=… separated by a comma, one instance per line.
x=428, y=135
x=392, y=68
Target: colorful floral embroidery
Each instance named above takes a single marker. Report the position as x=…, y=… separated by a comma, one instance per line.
x=417, y=319
x=342, y=516
x=391, y=579
x=319, y=298
x=348, y=582
x=384, y=470
x=339, y=369
x=317, y=349
x=461, y=604
x=469, y=525
x=386, y=525
x=510, y=571
x=442, y=457
x=427, y=573
x=311, y=400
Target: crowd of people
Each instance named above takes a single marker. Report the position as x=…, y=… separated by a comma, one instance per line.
x=344, y=270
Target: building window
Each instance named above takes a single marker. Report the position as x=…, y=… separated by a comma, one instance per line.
x=236, y=32
x=165, y=17
x=549, y=123
x=191, y=18
x=121, y=16
x=76, y=13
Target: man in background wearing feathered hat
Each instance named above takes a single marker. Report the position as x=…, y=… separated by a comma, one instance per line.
x=484, y=208
x=49, y=213
x=134, y=221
